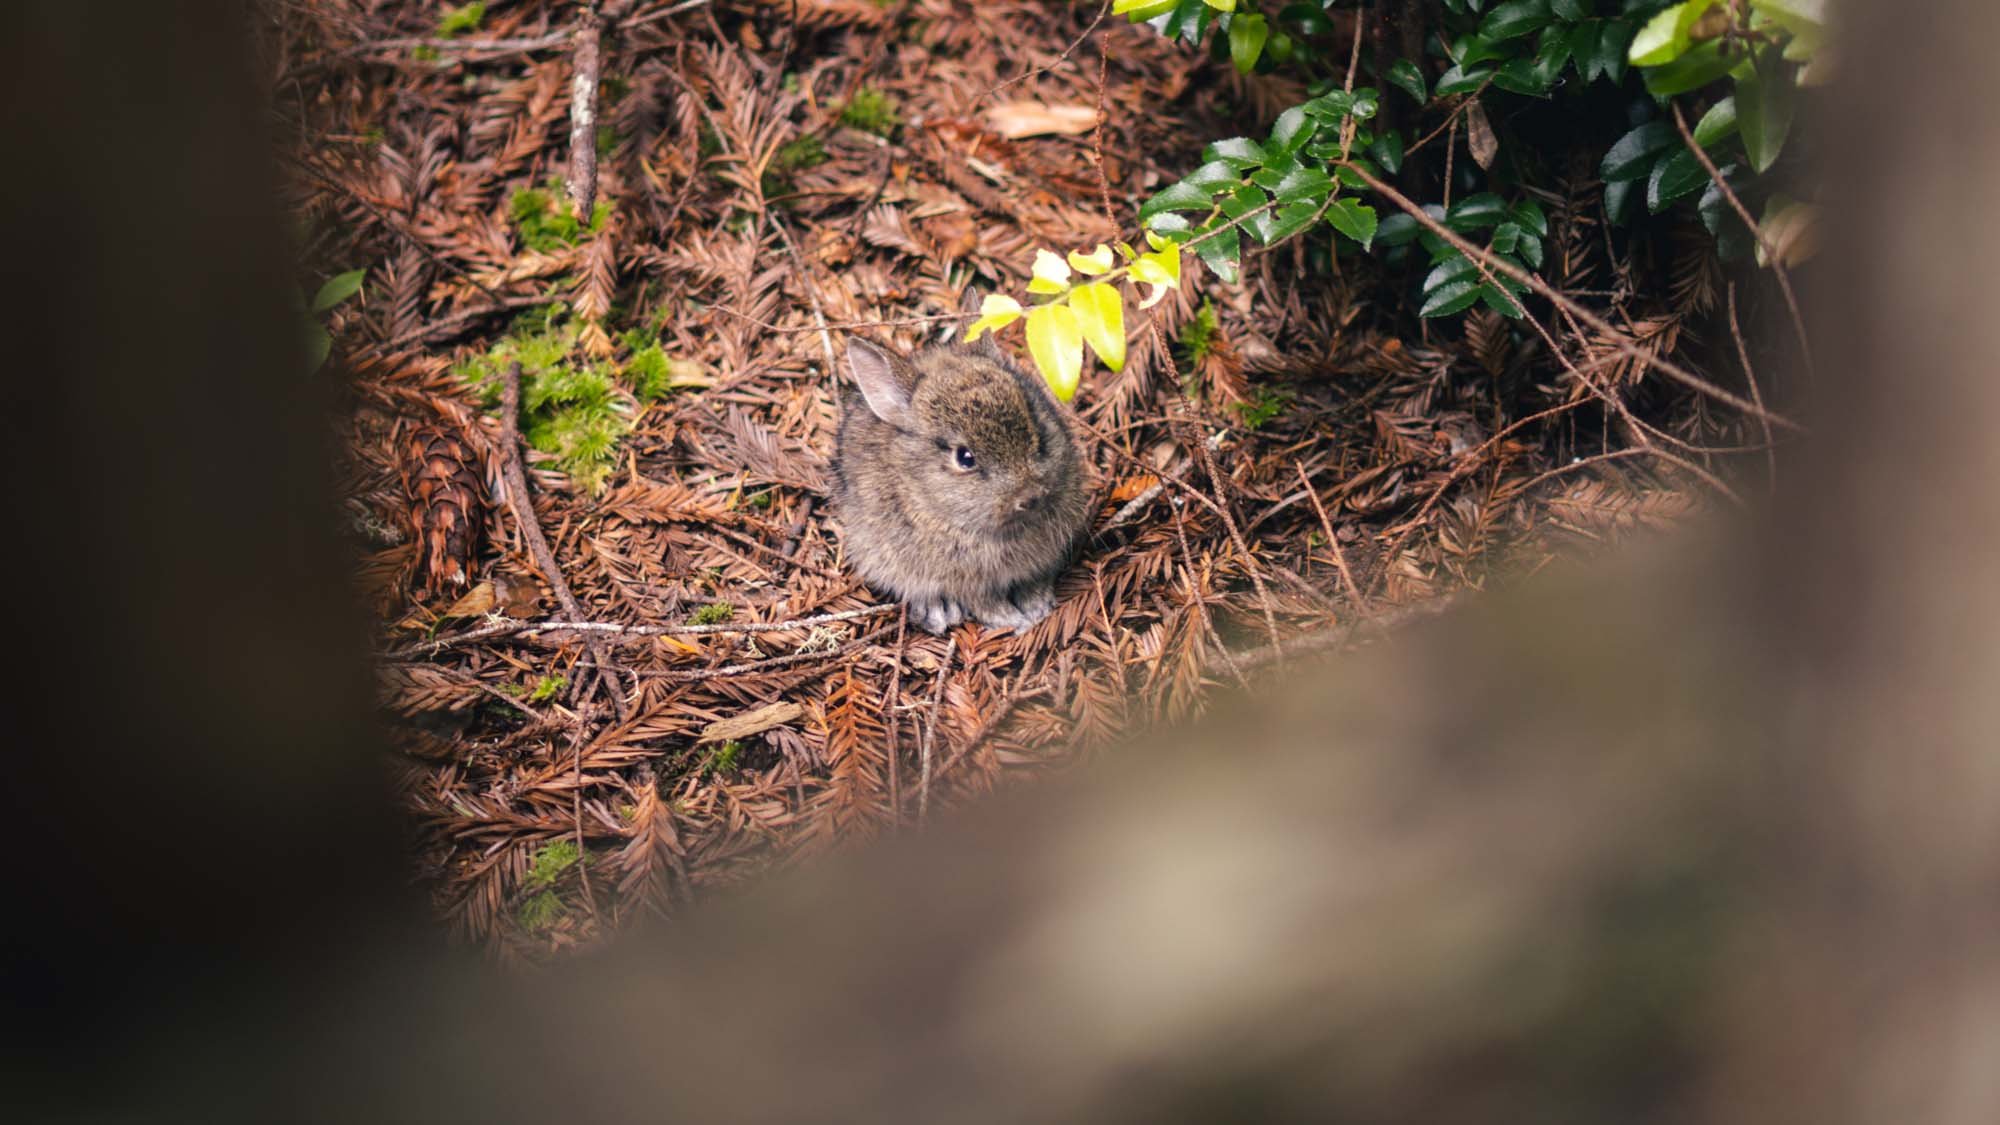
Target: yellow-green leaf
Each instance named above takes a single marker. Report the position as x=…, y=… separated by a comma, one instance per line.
x=1055, y=340
x=1093, y=263
x=1051, y=269
x=1150, y=272
x=1100, y=315
x=997, y=311
x=1044, y=285
x=1222, y=5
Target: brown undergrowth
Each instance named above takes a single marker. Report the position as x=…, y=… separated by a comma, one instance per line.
x=1368, y=461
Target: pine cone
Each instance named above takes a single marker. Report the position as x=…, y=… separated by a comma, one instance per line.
x=447, y=506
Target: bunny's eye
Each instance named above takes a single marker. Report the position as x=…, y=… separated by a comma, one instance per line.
x=963, y=458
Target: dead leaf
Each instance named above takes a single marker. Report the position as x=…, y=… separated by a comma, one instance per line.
x=480, y=599
x=1133, y=486
x=1791, y=230
x=1479, y=138
x=750, y=722
x=1015, y=120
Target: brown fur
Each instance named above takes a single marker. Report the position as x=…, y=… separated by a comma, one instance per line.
x=986, y=543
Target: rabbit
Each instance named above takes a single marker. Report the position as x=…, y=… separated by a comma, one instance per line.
x=957, y=484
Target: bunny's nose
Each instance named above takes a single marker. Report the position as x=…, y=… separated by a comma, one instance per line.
x=1028, y=502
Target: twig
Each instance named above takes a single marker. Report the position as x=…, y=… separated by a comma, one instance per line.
x=889, y=705
x=987, y=726
x=583, y=115
x=1055, y=62
x=1750, y=377
x=531, y=528
x=1617, y=339
x=1229, y=521
x=759, y=667
x=447, y=323
x=1332, y=544
x=812, y=296
x=1770, y=251
x=612, y=630
x=930, y=730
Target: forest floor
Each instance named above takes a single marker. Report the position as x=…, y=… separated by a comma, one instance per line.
x=1280, y=461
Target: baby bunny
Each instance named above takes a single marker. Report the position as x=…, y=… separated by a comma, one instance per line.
x=957, y=484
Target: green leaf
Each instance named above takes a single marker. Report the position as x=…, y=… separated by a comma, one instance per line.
x=1714, y=206
x=1673, y=177
x=1583, y=48
x=1330, y=106
x=1569, y=11
x=1356, y=220
x=1524, y=76
x=1243, y=204
x=1501, y=301
x=1665, y=36
x=1246, y=41
x=1291, y=219
x=1476, y=211
x=338, y=288
x=1458, y=80
x=1308, y=18
x=1182, y=196
x=1388, y=150
x=1621, y=199
x=318, y=346
x=1238, y=152
x=1366, y=103
x=1220, y=253
x=1632, y=155
x=1717, y=124
x=1213, y=175
x=1139, y=11
x=1691, y=71
x=1766, y=100
x=1506, y=236
x=1170, y=225
x=1409, y=78
x=1530, y=250
x=1309, y=184
x=1529, y=215
x=1292, y=129
x=1453, y=298
x=1516, y=17
x=1471, y=50
x=1455, y=268
x=1611, y=49
x=1397, y=230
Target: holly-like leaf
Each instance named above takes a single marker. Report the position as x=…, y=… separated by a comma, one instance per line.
x=1055, y=341
x=1406, y=76
x=1355, y=220
x=1514, y=18
x=1238, y=152
x=1674, y=176
x=1309, y=184
x=1182, y=196
x=1100, y=317
x=996, y=311
x=1292, y=129
x=1632, y=157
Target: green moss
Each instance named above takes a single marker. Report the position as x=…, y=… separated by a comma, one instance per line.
x=1267, y=405
x=723, y=758
x=547, y=688
x=541, y=911
x=1198, y=335
x=792, y=157
x=607, y=139
x=714, y=613
x=570, y=408
x=457, y=21
x=542, y=216
x=871, y=111
x=556, y=857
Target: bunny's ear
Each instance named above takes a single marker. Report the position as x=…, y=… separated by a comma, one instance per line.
x=875, y=372
x=968, y=305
